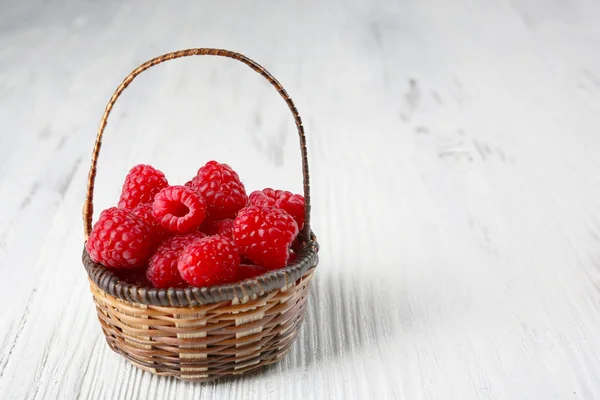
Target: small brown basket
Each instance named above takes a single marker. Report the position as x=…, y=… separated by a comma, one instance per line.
x=200, y=334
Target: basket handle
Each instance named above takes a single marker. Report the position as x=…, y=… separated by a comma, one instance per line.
x=88, y=206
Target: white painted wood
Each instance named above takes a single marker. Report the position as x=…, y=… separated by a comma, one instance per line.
x=454, y=147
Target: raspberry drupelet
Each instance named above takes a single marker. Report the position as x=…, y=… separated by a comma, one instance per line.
x=162, y=267
x=119, y=239
x=222, y=189
x=264, y=235
x=146, y=214
x=142, y=183
x=293, y=204
x=212, y=260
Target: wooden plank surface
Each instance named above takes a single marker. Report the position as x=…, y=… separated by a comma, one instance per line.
x=455, y=152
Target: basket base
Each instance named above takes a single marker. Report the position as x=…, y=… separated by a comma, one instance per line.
x=265, y=362
x=204, y=343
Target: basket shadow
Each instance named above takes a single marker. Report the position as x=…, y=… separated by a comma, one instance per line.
x=346, y=315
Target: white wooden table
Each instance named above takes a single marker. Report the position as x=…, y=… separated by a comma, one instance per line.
x=455, y=153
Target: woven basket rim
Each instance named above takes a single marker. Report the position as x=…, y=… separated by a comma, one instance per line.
x=244, y=290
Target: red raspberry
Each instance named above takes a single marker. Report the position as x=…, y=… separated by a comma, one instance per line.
x=179, y=209
x=223, y=228
x=222, y=189
x=146, y=214
x=209, y=261
x=119, y=239
x=264, y=235
x=142, y=183
x=162, y=267
x=246, y=271
x=293, y=204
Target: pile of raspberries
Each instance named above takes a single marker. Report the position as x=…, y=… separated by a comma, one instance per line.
x=206, y=232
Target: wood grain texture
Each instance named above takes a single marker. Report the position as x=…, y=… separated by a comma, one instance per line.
x=454, y=147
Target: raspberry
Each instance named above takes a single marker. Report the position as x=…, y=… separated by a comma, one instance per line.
x=162, y=267
x=264, y=235
x=209, y=261
x=222, y=189
x=119, y=239
x=223, y=228
x=293, y=204
x=146, y=214
x=179, y=209
x=142, y=183
x=247, y=271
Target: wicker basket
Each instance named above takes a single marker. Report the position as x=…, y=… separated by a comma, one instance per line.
x=200, y=334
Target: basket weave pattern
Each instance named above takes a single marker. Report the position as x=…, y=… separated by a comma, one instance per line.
x=206, y=342
x=200, y=334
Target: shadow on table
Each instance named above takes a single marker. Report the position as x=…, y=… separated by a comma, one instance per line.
x=347, y=315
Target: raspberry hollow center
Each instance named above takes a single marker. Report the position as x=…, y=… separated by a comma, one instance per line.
x=178, y=209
